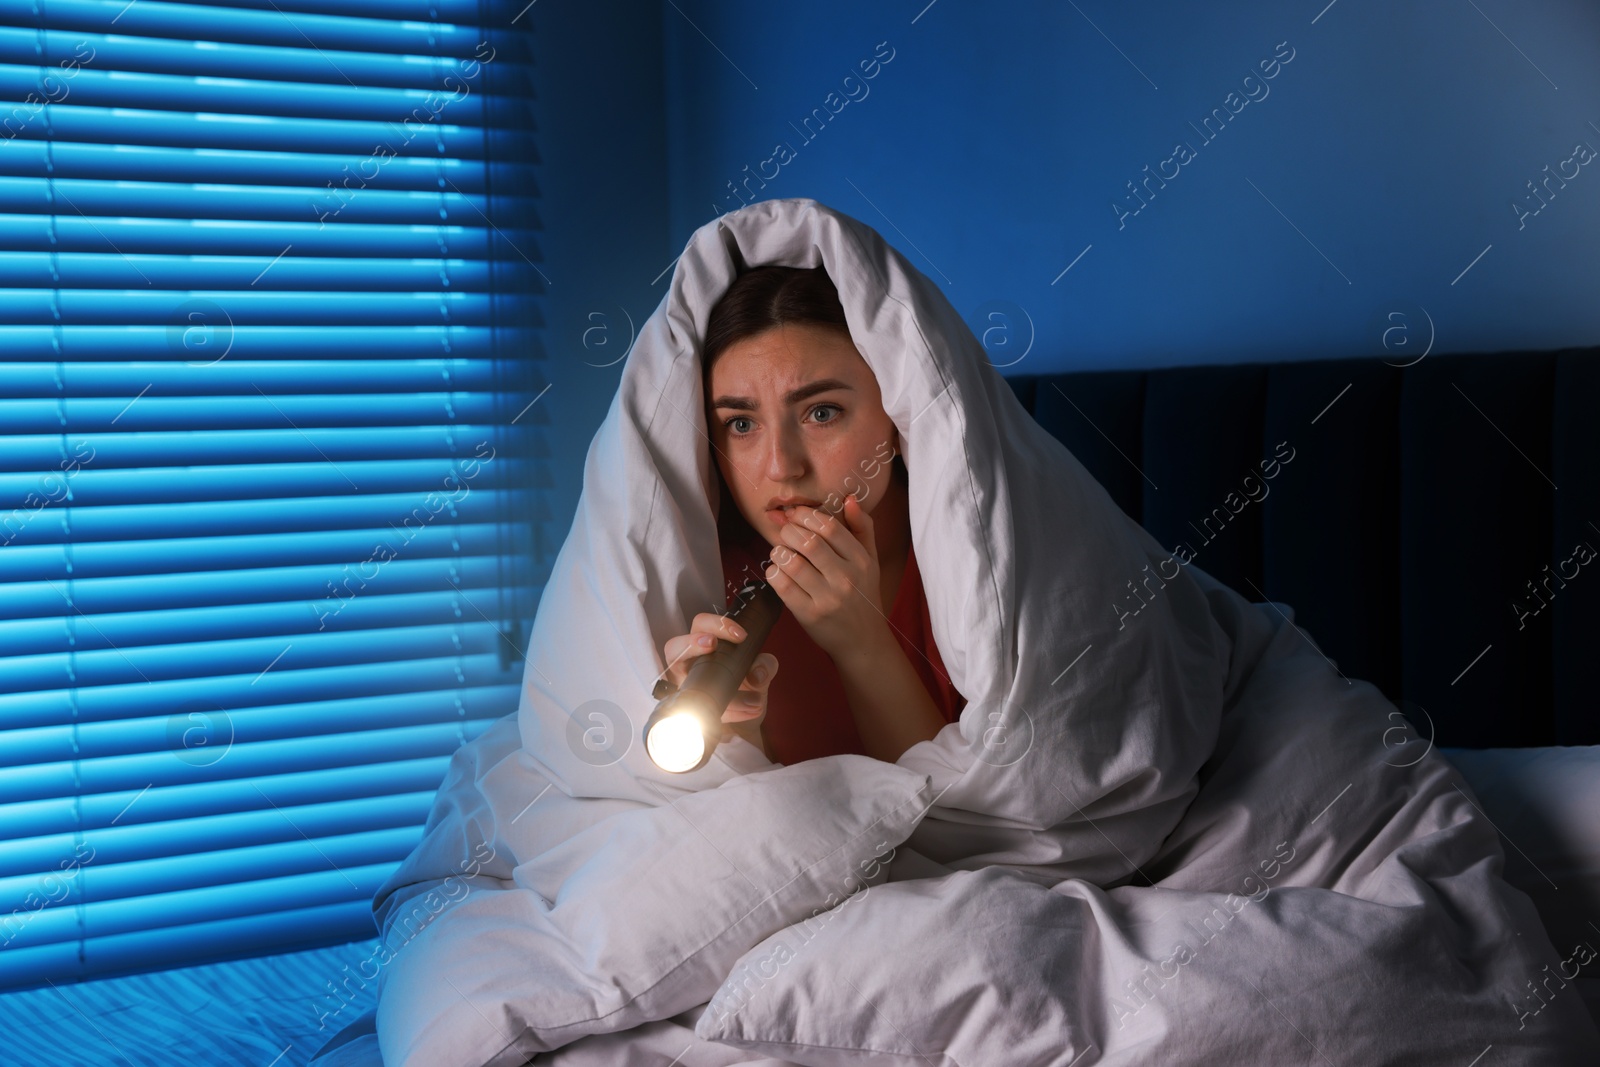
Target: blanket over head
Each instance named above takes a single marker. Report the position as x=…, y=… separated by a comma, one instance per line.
x=1171, y=835
x=1026, y=562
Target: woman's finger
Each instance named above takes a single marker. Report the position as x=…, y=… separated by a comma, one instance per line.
x=704, y=633
x=744, y=707
x=681, y=653
x=834, y=530
x=750, y=702
x=717, y=626
x=789, y=572
x=762, y=671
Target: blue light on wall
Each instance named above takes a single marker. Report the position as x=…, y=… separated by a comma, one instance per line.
x=1141, y=186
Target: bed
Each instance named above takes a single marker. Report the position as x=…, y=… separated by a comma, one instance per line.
x=278, y=1009
x=1169, y=827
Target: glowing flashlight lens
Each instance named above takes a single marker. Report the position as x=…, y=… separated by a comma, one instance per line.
x=676, y=743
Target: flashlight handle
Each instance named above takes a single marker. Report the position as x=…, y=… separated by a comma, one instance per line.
x=719, y=673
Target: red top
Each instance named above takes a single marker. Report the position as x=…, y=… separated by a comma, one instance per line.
x=808, y=715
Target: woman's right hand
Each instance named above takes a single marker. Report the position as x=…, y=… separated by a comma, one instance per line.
x=748, y=708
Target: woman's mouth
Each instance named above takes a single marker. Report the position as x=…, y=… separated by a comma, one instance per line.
x=780, y=515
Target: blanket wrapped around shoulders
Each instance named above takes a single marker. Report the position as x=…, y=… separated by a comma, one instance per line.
x=1171, y=835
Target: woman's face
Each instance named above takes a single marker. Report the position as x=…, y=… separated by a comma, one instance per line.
x=796, y=417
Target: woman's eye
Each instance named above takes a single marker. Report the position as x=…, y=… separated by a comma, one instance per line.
x=731, y=424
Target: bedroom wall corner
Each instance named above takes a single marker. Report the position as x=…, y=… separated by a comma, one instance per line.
x=601, y=130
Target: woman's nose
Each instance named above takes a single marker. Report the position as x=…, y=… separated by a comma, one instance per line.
x=786, y=458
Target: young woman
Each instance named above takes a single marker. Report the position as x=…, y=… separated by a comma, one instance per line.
x=809, y=462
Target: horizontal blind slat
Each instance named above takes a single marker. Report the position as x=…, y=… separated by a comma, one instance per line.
x=160, y=911
x=95, y=667
x=106, y=52
x=338, y=98
x=413, y=531
x=181, y=731
x=73, y=124
x=40, y=781
x=144, y=597
x=25, y=157
x=156, y=485
x=47, y=532
x=92, y=270
x=168, y=696
x=142, y=343
x=289, y=29
x=388, y=384
x=58, y=821
x=116, y=898
x=459, y=11
x=153, y=200
x=23, y=451
x=264, y=933
x=264, y=411
x=375, y=606
x=26, y=862
x=464, y=237
x=72, y=307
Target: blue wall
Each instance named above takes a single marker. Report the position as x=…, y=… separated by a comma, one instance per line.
x=601, y=132
x=991, y=147
x=1378, y=162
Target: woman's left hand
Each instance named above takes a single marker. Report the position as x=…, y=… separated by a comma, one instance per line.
x=826, y=572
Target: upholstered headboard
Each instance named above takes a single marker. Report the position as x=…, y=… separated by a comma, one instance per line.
x=1436, y=527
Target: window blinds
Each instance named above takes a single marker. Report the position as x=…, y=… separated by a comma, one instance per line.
x=267, y=552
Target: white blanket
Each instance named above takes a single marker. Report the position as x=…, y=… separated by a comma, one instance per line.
x=1120, y=785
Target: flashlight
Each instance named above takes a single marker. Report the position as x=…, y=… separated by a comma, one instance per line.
x=682, y=732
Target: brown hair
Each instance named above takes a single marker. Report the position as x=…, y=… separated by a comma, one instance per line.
x=764, y=297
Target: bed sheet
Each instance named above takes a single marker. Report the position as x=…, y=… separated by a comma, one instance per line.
x=260, y=1010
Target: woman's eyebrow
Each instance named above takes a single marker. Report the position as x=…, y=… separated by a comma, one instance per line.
x=821, y=385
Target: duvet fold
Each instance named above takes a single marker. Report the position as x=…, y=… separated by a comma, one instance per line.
x=639, y=917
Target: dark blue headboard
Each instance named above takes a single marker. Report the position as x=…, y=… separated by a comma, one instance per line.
x=1426, y=527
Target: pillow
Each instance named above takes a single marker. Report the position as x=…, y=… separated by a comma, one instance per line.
x=641, y=916
x=819, y=993
x=1544, y=802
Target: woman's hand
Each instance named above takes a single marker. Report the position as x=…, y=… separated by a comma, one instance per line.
x=826, y=572
x=748, y=708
